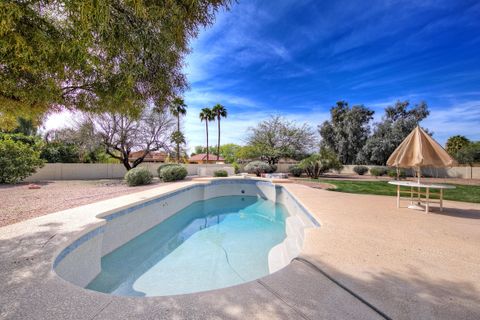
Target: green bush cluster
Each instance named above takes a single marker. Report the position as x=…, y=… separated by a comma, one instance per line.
x=60, y=152
x=392, y=173
x=295, y=170
x=319, y=163
x=378, y=171
x=273, y=168
x=164, y=166
x=220, y=173
x=360, y=170
x=236, y=167
x=138, y=176
x=18, y=160
x=173, y=173
x=259, y=167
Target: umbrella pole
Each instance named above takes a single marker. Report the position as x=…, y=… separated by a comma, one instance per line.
x=418, y=181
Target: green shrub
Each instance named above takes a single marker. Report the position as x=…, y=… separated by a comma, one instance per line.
x=17, y=160
x=174, y=173
x=236, y=167
x=378, y=171
x=33, y=141
x=220, y=173
x=258, y=167
x=273, y=168
x=138, y=176
x=295, y=170
x=163, y=166
x=60, y=152
x=360, y=170
x=318, y=164
x=392, y=173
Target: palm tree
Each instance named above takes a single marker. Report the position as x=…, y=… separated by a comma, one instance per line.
x=178, y=108
x=207, y=115
x=219, y=111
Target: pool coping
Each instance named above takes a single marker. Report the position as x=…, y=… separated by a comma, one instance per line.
x=80, y=224
x=109, y=215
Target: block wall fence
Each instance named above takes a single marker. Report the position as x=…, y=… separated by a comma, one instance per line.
x=87, y=171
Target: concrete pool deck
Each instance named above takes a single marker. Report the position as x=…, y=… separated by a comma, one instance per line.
x=408, y=264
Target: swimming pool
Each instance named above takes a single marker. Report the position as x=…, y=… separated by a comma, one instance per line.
x=208, y=245
x=203, y=237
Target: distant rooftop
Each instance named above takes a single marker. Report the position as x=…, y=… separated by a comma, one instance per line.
x=203, y=157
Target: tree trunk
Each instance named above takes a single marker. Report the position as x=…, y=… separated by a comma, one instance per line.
x=206, y=126
x=218, y=145
x=178, y=144
x=125, y=162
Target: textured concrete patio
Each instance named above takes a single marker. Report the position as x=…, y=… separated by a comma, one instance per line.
x=408, y=264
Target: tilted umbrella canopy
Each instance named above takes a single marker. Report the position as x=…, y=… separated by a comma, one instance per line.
x=420, y=150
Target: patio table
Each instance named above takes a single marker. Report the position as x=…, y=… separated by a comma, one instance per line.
x=427, y=200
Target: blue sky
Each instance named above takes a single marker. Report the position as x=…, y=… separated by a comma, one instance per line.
x=297, y=58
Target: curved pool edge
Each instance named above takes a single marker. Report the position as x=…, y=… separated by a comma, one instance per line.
x=283, y=253
x=89, y=242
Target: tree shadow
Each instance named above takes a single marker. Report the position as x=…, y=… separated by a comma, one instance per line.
x=29, y=287
x=457, y=213
x=414, y=294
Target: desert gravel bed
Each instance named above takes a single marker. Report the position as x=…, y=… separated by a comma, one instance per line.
x=18, y=202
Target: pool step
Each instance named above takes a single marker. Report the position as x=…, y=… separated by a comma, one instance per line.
x=281, y=255
x=294, y=227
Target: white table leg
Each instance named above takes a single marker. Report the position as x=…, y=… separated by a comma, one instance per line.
x=418, y=196
x=398, y=196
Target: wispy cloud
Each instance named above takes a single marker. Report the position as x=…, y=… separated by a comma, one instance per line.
x=297, y=58
x=462, y=118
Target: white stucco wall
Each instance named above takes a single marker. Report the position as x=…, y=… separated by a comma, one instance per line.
x=90, y=171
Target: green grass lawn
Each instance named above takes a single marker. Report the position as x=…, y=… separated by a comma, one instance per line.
x=460, y=193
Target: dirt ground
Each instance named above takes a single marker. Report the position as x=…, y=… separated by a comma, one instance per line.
x=18, y=202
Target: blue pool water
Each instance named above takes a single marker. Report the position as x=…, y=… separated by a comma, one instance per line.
x=208, y=245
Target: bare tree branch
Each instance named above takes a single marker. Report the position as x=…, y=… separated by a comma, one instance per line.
x=122, y=134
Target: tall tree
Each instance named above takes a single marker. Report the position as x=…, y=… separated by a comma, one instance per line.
x=469, y=154
x=455, y=144
x=203, y=149
x=395, y=126
x=178, y=138
x=229, y=152
x=178, y=108
x=220, y=112
x=207, y=115
x=347, y=130
x=83, y=136
x=122, y=134
x=277, y=138
x=95, y=55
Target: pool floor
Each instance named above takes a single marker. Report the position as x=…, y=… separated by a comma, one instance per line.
x=208, y=245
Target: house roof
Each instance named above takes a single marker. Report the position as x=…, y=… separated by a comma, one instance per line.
x=151, y=156
x=203, y=157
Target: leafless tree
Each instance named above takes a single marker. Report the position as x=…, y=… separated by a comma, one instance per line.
x=122, y=134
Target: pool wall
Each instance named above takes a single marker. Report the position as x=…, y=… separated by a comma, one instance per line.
x=80, y=262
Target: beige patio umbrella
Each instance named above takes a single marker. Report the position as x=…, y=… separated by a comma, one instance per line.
x=418, y=150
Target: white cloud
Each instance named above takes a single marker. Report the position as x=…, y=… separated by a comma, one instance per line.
x=461, y=118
